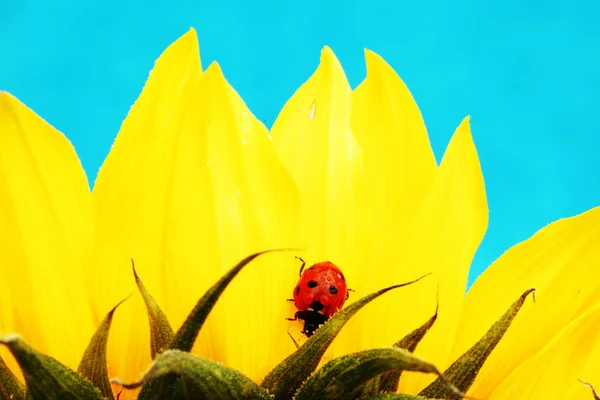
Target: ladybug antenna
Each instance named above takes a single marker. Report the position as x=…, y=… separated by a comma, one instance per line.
x=302, y=266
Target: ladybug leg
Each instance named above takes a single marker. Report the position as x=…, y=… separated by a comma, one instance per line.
x=293, y=319
x=348, y=293
x=302, y=266
x=290, y=300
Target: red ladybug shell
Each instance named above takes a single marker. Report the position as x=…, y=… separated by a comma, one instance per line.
x=322, y=288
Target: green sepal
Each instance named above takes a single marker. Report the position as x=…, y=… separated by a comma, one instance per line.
x=161, y=333
x=388, y=381
x=171, y=385
x=462, y=372
x=10, y=387
x=412, y=339
x=339, y=378
x=210, y=380
x=393, y=396
x=287, y=377
x=594, y=393
x=186, y=335
x=46, y=378
x=93, y=365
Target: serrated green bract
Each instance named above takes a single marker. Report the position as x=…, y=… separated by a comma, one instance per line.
x=210, y=380
x=394, y=396
x=46, y=378
x=339, y=378
x=287, y=377
x=172, y=386
x=93, y=364
x=186, y=335
x=388, y=381
x=161, y=333
x=10, y=387
x=463, y=371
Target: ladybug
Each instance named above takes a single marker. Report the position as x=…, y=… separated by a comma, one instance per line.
x=320, y=293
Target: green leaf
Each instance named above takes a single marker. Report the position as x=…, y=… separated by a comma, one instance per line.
x=594, y=393
x=10, y=387
x=339, y=378
x=186, y=335
x=161, y=333
x=93, y=364
x=210, y=379
x=463, y=371
x=287, y=377
x=45, y=377
x=388, y=382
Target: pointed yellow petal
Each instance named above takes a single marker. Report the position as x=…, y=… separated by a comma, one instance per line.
x=160, y=101
x=400, y=169
x=555, y=371
x=388, y=125
x=256, y=207
x=201, y=190
x=313, y=139
x=45, y=209
x=560, y=262
x=448, y=229
x=133, y=199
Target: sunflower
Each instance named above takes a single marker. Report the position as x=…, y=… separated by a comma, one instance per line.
x=194, y=183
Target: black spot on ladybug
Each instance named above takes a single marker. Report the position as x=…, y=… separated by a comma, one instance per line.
x=333, y=290
x=297, y=290
x=312, y=284
x=316, y=305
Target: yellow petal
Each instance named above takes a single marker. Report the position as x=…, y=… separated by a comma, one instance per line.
x=201, y=190
x=313, y=139
x=256, y=207
x=560, y=262
x=400, y=169
x=555, y=371
x=449, y=226
x=45, y=209
x=132, y=195
x=388, y=125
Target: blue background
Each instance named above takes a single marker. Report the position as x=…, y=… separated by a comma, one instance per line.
x=526, y=71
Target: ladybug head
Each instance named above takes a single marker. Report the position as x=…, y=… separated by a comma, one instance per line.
x=317, y=306
x=312, y=320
